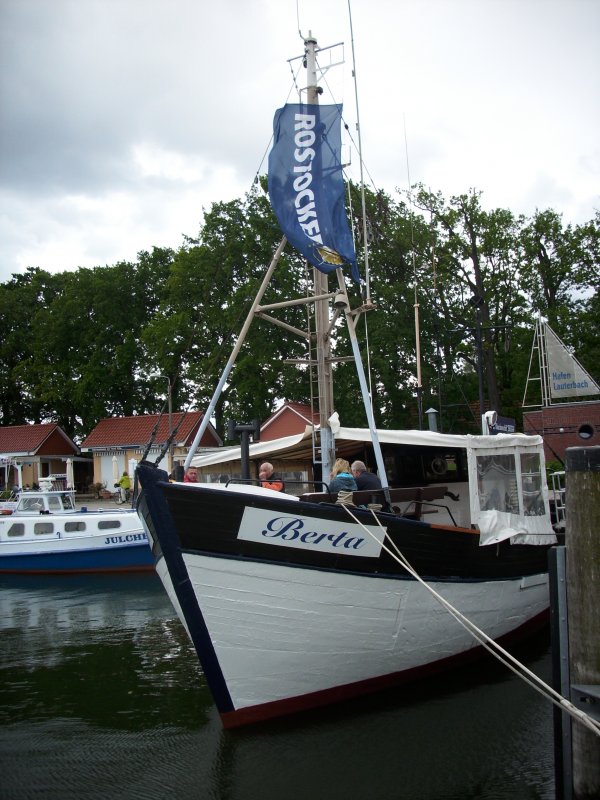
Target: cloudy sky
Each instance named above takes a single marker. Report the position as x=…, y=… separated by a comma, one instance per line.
x=122, y=119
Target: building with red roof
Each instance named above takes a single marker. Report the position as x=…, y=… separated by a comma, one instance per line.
x=289, y=419
x=31, y=452
x=116, y=442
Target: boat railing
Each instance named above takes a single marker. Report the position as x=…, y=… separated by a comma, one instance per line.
x=411, y=502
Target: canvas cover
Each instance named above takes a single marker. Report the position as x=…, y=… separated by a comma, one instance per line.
x=507, y=486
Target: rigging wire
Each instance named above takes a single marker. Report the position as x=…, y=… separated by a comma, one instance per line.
x=270, y=142
x=365, y=231
x=298, y=19
x=520, y=670
x=360, y=161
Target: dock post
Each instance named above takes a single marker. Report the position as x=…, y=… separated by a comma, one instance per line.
x=563, y=773
x=583, y=603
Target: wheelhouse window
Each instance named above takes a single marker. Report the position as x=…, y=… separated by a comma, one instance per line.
x=531, y=485
x=497, y=477
x=32, y=504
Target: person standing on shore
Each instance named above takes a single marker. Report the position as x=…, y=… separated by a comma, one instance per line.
x=124, y=487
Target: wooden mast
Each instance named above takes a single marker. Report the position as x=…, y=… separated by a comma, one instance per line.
x=321, y=287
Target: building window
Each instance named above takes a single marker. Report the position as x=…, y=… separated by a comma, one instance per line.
x=586, y=431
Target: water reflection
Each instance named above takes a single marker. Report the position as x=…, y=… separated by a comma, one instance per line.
x=478, y=733
x=106, y=650
x=102, y=697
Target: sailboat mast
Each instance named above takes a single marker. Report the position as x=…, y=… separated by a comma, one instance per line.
x=544, y=371
x=320, y=283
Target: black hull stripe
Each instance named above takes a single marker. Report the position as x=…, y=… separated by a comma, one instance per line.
x=158, y=511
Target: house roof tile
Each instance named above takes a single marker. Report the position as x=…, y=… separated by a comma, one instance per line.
x=301, y=409
x=28, y=439
x=138, y=430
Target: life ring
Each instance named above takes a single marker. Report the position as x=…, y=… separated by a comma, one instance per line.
x=438, y=466
x=5, y=512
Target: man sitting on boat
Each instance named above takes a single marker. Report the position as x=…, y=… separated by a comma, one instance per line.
x=268, y=478
x=364, y=479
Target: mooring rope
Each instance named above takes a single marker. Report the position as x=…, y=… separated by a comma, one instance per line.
x=493, y=647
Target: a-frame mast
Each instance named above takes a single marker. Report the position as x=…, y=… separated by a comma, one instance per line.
x=319, y=340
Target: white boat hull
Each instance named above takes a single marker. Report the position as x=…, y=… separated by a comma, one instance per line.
x=74, y=542
x=287, y=638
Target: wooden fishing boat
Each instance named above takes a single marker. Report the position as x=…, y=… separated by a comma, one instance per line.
x=293, y=601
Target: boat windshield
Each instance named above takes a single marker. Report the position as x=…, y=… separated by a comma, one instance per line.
x=68, y=504
x=511, y=483
x=511, y=498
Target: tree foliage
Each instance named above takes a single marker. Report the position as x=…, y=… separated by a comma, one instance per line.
x=79, y=346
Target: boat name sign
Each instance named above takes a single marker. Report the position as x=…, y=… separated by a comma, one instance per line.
x=288, y=530
x=127, y=539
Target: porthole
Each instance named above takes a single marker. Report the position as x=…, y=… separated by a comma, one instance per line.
x=43, y=528
x=71, y=527
x=586, y=431
x=105, y=524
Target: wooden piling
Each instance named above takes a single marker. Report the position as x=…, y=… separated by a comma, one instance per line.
x=583, y=601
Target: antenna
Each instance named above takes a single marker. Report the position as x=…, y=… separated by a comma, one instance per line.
x=416, y=303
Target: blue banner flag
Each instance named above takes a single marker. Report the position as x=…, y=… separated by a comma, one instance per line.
x=306, y=186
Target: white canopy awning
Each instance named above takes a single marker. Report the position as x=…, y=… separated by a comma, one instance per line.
x=225, y=455
x=288, y=444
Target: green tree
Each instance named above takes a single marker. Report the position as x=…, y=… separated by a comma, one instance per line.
x=208, y=296
x=477, y=292
x=82, y=345
x=21, y=299
x=84, y=356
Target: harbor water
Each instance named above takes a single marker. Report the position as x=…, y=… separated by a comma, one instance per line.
x=102, y=697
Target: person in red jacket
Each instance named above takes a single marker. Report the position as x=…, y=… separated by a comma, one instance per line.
x=268, y=479
x=191, y=476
